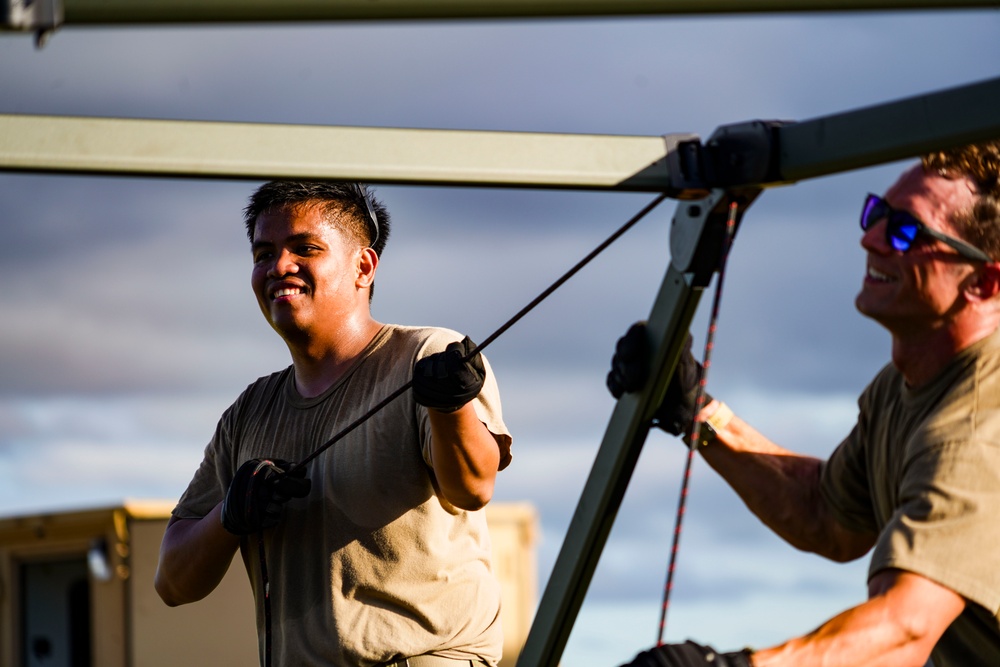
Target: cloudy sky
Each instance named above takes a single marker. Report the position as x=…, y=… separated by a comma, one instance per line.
x=128, y=323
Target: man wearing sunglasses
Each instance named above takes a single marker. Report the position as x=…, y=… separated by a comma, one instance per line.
x=917, y=481
x=359, y=519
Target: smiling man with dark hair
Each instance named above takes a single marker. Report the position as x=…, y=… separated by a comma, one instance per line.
x=376, y=552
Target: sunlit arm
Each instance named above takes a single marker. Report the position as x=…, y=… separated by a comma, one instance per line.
x=465, y=457
x=783, y=489
x=898, y=626
x=194, y=557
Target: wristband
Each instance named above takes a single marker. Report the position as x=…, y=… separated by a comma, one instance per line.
x=711, y=426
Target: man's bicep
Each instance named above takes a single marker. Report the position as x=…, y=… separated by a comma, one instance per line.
x=846, y=538
x=851, y=543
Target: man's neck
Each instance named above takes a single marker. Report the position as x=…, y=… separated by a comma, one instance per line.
x=320, y=362
x=921, y=357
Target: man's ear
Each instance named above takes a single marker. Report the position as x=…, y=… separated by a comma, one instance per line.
x=367, y=264
x=985, y=283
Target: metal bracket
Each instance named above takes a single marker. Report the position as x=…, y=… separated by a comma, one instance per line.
x=698, y=230
x=737, y=155
x=41, y=16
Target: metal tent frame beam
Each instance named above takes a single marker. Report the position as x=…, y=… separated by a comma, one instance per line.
x=382, y=155
x=26, y=15
x=778, y=153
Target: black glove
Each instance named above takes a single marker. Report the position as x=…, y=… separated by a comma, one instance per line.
x=630, y=370
x=258, y=494
x=676, y=412
x=445, y=381
x=630, y=363
x=689, y=654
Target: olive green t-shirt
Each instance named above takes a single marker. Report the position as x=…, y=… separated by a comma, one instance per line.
x=922, y=469
x=373, y=564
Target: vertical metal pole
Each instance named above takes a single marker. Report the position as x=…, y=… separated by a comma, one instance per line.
x=667, y=327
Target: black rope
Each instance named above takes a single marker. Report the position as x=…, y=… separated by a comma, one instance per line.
x=496, y=334
x=266, y=585
x=695, y=434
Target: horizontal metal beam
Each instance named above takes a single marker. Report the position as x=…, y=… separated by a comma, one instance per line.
x=254, y=151
x=109, y=12
x=769, y=153
x=888, y=132
x=747, y=154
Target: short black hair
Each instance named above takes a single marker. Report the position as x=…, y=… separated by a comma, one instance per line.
x=333, y=198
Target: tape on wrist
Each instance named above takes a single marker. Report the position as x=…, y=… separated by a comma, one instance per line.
x=711, y=427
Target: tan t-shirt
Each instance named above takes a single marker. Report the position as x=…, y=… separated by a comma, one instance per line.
x=922, y=468
x=373, y=565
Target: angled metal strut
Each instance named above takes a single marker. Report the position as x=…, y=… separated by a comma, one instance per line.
x=696, y=243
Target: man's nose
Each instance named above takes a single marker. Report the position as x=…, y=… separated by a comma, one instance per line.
x=284, y=264
x=874, y=238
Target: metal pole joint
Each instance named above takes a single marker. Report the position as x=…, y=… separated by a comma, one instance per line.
x=42, y=17
x=698, y=232
x=735, y=156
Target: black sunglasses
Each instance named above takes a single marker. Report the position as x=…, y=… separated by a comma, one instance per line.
x=902, y=229
x=363, y=193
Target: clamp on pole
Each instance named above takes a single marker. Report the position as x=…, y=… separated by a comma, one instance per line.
x=43, y=17
x=698, y=232
x=733, y=166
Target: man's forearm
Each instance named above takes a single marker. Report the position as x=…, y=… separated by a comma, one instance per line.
x=465, y=457
x=898, y=626
x=194, y=557
x=782, y=488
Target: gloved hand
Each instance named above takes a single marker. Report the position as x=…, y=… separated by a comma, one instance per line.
x=444, y=381
x=690, y=654
x=258, y=494
x=677, y=411
x=630, y=362
x=630, y=370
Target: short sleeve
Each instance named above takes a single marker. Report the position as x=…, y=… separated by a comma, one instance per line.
x=486, y=404
x=844, y=485
x=208, y=486
x=946, y=526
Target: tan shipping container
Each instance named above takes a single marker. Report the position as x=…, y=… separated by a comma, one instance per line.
x=76, y=589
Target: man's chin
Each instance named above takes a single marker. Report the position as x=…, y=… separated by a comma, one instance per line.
x=861, y=304
x=285, y=325
x=872, y=311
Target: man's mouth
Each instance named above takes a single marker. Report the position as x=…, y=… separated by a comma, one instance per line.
x=878, y=276
x=286, y=291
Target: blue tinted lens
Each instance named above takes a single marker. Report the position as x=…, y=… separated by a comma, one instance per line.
x=902, y=230
x=874, y=210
